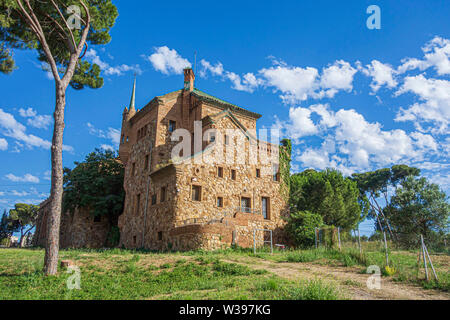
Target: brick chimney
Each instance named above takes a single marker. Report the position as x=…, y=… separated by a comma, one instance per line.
x=189, y=79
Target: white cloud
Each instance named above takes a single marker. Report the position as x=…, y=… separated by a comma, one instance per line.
x=436, y=55
x=35, y=120
x=248, y=82
x=107, y=69
x=26, y=178
x=107, y=147
x=352, y=143
x=299, y=84
x=168, y=61
x=382, y=75
x=435, y=107
x=295, y=83
x=338, y=76
x=216, y=70
x=10, y=127
x=3, y=144
x=111, y=134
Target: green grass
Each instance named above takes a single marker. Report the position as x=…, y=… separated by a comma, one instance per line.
x=122, y=274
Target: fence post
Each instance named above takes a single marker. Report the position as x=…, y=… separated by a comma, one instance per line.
x=254, y=241
x=359, y=243
x=271, y=241
x=339, y=237
x=386, y=249
x=315, y=236
x=424, y=257
x=431, y=262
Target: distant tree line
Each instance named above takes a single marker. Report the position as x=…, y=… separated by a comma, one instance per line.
x=397, y=199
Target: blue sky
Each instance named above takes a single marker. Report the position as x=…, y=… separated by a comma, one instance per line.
x=351, y=98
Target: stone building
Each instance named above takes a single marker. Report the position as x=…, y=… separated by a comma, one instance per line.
x=78, y=229
x=196, y=176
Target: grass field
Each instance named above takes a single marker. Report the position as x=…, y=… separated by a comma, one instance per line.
x=224, y=274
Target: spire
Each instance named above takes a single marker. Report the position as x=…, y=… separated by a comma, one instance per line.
x=133, y=96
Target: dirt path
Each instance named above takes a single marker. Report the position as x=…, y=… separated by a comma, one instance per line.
x=349, y=280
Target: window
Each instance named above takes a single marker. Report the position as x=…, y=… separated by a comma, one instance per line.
x=122, y=139
x=133, y=169
x=220, y=202
x=246, y=204
x=212, y=138
x=160, y=236
x=258, y=173
x=227, y=140
x=220, y=172
x=153, y=199
x=276, y=174
x=233, y=174
x=138, y=203
x=134, y=240
x=265, y=207
x=146, y=162
x=196, y=193
x=98, y=219
x=172, y=125
x=163, y=194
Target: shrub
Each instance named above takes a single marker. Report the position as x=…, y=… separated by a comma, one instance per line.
x=301, y=227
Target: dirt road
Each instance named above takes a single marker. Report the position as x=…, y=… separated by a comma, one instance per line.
x=350, y=281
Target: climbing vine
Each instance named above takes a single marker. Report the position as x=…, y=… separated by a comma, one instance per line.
x=285, y=166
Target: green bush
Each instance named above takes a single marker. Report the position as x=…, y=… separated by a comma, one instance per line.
x=301, y=227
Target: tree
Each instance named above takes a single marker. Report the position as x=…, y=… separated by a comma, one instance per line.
x=301, y=227
x=24, y=217
x=6, y=227
x=97, y=184
x=418, y=207
x=59, y=30
x=328, y=194
x=374, y=187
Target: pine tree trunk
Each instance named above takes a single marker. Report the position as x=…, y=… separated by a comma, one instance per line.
x=56, y=193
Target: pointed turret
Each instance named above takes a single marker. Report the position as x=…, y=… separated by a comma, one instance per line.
x=130, y=111
x=132, y=108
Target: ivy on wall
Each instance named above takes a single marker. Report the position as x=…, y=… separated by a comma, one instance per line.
x=285, y=167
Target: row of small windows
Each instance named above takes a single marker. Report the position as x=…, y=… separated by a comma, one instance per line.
x=276, y=173
x=246, y=203
x=162, y=198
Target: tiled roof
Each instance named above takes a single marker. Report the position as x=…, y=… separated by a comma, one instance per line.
x=209, y=98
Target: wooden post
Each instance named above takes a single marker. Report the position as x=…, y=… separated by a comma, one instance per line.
x=424, y=257
x=315, y=236
x=431, y=263
x=386, y=249
x=271, y=242
x=254, y=241
x=359, y=243
x=339, y=238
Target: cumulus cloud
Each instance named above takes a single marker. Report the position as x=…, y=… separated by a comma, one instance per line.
x=248, y=82
x=10, y=127
x=432, y=113
x=436, y=55
x=35, y=120
x=3, y=144
x=350, y=142
x=299, y=84
x=111, y=134
x=107, y=69
x=381, y=74
x=338, y=76
x=168, y=61
x=26, y=178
